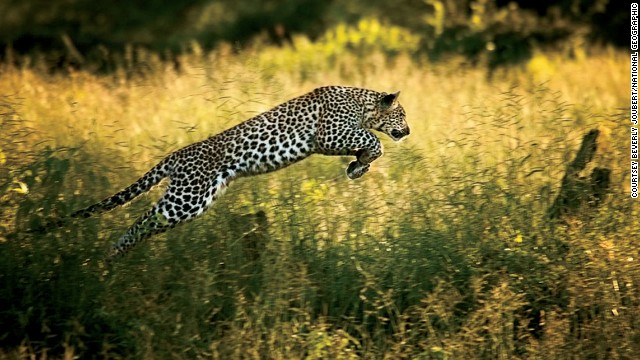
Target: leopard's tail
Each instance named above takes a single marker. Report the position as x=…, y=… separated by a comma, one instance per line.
x=141, y=186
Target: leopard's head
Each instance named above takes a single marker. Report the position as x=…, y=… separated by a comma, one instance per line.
x=390, y=117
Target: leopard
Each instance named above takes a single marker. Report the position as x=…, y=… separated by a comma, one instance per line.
x=330, y=120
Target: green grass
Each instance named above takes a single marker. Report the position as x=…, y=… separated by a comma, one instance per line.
x=441, y=251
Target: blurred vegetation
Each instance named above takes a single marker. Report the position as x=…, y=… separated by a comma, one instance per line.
x=494, y=32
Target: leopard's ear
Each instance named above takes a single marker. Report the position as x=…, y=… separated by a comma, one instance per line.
x=389, y=100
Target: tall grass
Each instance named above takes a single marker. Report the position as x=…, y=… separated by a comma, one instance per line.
x=441, y=251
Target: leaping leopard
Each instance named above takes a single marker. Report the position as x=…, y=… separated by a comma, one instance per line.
x=330, y=120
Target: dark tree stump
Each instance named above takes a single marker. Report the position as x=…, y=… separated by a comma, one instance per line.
x=580, y=192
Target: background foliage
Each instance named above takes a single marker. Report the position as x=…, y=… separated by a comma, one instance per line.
x=82, y=32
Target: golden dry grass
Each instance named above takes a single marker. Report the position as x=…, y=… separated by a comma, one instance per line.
x=441, y=251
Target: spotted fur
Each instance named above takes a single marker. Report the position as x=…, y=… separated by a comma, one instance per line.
x=329, y=120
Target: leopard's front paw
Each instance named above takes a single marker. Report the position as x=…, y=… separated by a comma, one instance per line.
x=356, y=170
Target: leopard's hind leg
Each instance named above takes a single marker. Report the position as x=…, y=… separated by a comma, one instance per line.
x=180, y=203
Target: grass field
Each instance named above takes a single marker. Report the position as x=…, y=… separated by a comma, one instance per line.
x=442, y=251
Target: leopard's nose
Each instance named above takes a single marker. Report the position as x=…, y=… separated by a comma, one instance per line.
x=397, y=134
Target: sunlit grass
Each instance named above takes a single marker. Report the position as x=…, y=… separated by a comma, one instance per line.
x=441, y=251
